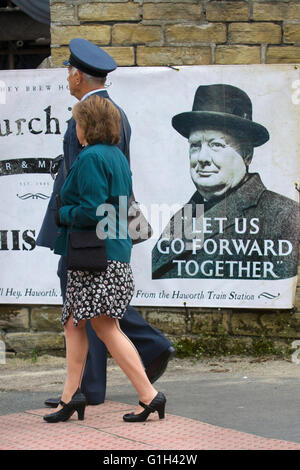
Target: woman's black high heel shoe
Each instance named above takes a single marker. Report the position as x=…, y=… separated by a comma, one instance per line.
x=158, y=404
x=77, y=403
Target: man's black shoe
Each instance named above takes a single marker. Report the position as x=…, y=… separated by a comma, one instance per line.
x=54, y=402
x=159, y=365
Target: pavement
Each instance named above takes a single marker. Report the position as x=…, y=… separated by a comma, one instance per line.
x=231, y=403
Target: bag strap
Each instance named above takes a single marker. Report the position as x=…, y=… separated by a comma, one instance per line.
x=126, y=141
x=65, y=171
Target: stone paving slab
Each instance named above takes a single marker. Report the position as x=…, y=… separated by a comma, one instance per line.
x=104, y=429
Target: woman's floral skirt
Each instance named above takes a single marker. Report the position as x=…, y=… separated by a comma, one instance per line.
x=90, y=294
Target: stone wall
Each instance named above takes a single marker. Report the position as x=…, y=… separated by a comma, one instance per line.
x=31, y=330
x=177, y=32
x=34, y=330
x=181, y=32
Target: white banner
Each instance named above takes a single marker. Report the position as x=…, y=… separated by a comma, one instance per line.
x=241, y=255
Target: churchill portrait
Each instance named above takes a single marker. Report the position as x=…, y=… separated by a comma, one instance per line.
x=232, y=227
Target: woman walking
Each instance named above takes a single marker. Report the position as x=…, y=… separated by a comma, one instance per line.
x=99, y=175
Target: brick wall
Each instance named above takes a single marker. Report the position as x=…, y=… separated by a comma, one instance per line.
x=177, y=32
x=181, y=32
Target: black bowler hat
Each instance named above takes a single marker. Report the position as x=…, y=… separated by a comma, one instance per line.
x=89, y=58
x=223, y=107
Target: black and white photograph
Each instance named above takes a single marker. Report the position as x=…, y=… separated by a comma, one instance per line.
x=245, y=231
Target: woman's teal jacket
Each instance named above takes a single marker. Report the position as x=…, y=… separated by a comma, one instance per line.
x=95, y=196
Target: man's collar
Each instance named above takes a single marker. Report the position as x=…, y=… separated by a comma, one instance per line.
x=245, y=194
x=92, y=92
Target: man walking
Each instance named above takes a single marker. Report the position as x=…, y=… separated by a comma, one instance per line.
x=88, y=67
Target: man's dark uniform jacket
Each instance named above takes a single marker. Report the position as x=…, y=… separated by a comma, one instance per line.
x=278, y=219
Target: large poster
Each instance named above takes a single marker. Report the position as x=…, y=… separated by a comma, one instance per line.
x=214, y=156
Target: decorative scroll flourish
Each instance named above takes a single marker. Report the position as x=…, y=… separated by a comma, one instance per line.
x=269, y=296
x=33, y=196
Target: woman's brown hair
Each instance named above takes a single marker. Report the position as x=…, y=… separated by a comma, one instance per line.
x=99, y=119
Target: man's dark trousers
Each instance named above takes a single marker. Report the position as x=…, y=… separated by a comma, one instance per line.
x=144, y=336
